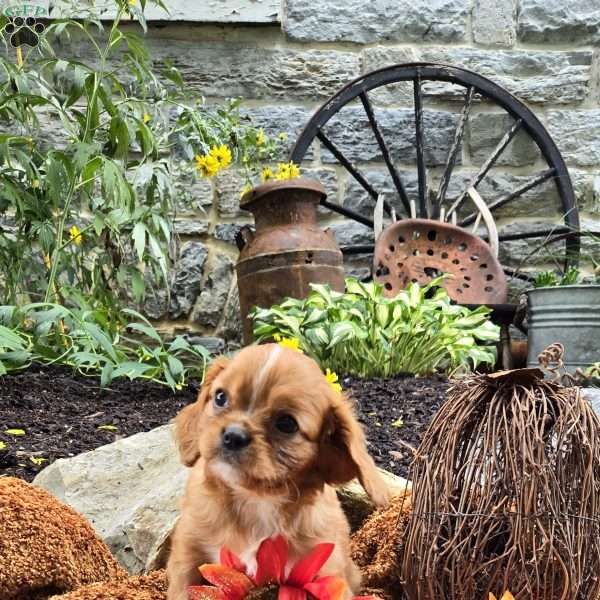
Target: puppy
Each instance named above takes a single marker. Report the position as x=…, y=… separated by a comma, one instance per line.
x=266, y=440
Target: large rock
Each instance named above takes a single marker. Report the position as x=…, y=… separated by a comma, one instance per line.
x=128, y=490
x=557, y=21
x=592, y=395
x=375, y=21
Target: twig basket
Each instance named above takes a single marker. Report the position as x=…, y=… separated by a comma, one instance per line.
x=506, y=494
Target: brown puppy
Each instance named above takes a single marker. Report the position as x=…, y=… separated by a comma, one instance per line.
x=266, y=438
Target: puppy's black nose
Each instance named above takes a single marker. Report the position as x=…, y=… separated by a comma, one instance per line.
x=235, y=437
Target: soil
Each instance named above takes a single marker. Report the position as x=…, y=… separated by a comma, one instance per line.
x=395, y=413
x=64, y=414
x=61, y=413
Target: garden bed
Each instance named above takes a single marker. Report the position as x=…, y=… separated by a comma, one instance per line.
x=64, y=414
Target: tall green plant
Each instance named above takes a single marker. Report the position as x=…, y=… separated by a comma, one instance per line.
x=89, y=159
x=362, y=332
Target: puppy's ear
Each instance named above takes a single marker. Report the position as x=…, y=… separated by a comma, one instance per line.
x=186, y=422
x=343, y=453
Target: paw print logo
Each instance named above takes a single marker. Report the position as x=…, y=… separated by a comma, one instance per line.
x=24, y=31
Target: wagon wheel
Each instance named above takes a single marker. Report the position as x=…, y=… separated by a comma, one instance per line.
x=435, y=201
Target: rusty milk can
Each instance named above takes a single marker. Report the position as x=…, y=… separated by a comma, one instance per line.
x=288, y=251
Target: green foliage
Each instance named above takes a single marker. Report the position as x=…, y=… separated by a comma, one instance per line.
x=49, y=333
x=572, y=276
x=90, y=154
x=363, y=333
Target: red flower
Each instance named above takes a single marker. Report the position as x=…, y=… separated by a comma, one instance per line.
x=233, y=583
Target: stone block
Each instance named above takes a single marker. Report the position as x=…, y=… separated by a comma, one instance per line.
x=557, y=21
x=494, y=22
x=215, y=291
x=351, y=133
x=225, y=70
x=289, y=120
x=577, y=135
x=187, y=278
x=228, y=187
x=533, y=76
x=402, y=21
x=485, y=130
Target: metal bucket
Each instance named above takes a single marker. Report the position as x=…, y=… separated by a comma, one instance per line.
x=289, y=250
x=569, y=315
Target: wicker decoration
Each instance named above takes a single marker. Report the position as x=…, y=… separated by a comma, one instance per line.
x=506, y=494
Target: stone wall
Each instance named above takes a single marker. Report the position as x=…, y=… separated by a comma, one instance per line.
x=547, y=52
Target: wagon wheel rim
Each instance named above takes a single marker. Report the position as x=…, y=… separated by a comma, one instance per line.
x=523, y=120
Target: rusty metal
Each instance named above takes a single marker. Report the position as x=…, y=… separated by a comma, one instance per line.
x=418, y=250
x=289, y=251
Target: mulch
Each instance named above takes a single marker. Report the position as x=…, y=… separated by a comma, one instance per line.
x=395, y=413
x=64, y=414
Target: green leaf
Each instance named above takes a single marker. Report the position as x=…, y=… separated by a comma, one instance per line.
x=146, y=330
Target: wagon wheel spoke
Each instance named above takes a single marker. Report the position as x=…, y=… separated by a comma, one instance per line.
x=518, y=275
x=488, y=164
x=357, y=249
x=421, y=169
x=385, y=153
x=348, y=212
x=337, y=153
x=440, y=206
x=529, y=185
x=451, y=160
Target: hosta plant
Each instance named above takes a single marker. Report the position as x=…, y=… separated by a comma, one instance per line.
x=361, y=332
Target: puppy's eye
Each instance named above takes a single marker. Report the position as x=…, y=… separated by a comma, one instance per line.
x=221, y=399
x=286, y=424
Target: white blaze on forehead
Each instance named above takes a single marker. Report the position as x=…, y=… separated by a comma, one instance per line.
x=263, y=372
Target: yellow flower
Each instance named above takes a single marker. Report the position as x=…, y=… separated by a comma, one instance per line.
x=2, y=445
x=506, y=596
x=287, y=171
x=35, y=184
x=245, y=189
x=132, y=2
x=291, y=343
x=146, y=117
x=267, y=174
x=75, y=235
x=207, y=165
x=260, y=137
x=332, y=379
x=222, y=154
x=37, y=460
x=283, y=136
